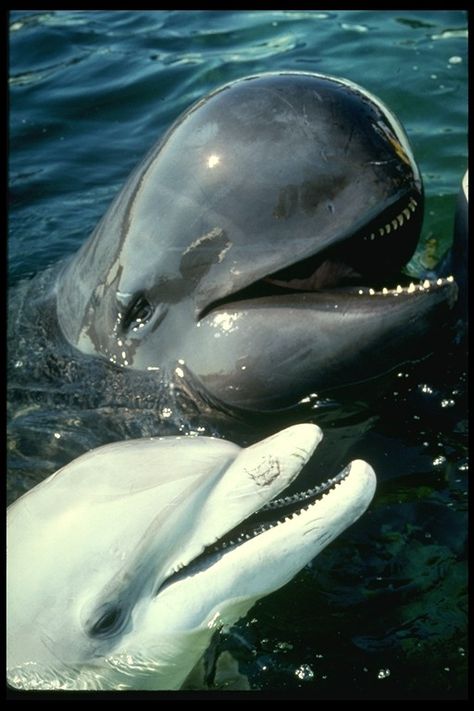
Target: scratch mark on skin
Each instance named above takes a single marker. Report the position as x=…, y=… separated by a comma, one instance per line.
x=265, y=472
x=322, y=538
x=346, y=147
x=207, y=239
x=303, y=124
x=288, y=103
x=297, y=453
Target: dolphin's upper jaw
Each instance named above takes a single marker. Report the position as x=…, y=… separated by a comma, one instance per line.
x=367, y=262
x=375, y=251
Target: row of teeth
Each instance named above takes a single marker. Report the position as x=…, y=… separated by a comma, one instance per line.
x=302, y=496
x=278, y=503
x=411, y=289
x=397, y=222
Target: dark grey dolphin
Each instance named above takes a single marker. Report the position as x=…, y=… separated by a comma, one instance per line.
x=251, y=252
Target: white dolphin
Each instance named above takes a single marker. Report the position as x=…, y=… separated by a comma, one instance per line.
x=103, y=587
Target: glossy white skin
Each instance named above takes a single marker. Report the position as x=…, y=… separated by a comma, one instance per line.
x=111, y=526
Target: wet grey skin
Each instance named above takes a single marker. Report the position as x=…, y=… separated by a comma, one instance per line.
x=253, y=252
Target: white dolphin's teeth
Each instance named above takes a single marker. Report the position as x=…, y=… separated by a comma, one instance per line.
x=410, y=289
x=397, y=222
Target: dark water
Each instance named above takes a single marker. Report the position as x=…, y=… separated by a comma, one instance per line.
x=382, y=612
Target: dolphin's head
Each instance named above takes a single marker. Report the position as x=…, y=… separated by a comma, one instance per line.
x=257, y=247
x=122, y=564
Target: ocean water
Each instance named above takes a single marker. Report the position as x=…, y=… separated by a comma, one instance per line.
x=382, y=612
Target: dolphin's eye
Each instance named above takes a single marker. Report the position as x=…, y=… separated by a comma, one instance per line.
x=138, y=313
x=109, y=621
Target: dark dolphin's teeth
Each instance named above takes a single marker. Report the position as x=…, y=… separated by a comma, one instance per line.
x=309, y=494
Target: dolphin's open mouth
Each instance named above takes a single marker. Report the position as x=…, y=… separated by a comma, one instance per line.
x=365, y=263
x=275, y=513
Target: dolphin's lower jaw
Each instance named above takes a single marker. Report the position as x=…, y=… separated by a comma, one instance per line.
x=336, y=318
x=272, y=351
x=135, y=604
